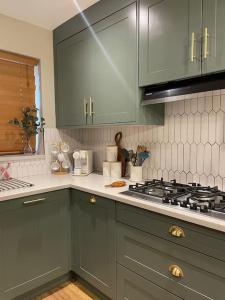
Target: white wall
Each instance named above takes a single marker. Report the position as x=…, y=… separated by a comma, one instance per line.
x=24, y=38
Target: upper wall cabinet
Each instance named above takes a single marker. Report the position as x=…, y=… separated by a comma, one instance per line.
x=213, y=36
x=74, y=78
x=114, y=91
x=169, y=33
x=96, y=71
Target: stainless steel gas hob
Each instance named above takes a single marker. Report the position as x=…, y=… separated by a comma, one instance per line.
x=193, y=196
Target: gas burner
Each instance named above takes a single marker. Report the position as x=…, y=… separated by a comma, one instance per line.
x=192, y=196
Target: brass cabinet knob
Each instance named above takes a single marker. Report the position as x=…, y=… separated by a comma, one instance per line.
x=176, y=271
x=176, y=231
x=92, y=200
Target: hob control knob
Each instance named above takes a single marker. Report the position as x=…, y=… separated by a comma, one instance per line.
x=165, y=200
x=204, y=208
x=174, y=202
x=193, y=206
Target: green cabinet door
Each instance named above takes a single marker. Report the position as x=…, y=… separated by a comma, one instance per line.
x=73, y=79
x=213, y=54
x=34, y=235
x=93, y=241
x=170, y=40
x=131, y=286
x=114, y=94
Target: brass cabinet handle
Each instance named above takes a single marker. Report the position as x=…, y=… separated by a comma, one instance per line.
x=176, y=271
x=92, y=200
x=36, y=201
x=85, y=107
x=176, y=231
x=193, y=46
x=206, y=35
x=91, y=107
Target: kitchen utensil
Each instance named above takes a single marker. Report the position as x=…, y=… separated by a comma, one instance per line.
x=122, y=154
x=134, y=159
x=142, y=156
x=116, y=184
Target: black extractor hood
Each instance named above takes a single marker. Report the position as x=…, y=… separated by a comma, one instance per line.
x=160, y=93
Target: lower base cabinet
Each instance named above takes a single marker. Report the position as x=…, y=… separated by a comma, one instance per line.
x=94, y=241
x=131, y=286
x=34, y=242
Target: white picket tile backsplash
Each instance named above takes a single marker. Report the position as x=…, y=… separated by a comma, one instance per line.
x=189, y=147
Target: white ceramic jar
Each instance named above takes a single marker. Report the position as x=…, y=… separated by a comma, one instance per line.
x=111, y=153
x=106, y=169
x=116, y=169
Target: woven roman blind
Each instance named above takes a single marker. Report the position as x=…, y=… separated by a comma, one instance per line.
x=17, y=90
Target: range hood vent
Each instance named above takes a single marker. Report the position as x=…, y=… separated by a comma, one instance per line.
x=160, y=93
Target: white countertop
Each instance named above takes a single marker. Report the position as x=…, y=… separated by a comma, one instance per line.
x=95, y=184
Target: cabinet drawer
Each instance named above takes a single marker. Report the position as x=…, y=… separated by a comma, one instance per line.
x=152, y=257
x=130, y=286
x=204, y=240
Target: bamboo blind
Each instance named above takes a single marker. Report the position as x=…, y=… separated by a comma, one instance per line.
x=17, y=90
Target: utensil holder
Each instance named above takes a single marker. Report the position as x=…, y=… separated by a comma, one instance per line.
x=136, y=173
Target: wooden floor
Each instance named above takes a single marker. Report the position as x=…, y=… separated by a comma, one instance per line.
x=69, y=291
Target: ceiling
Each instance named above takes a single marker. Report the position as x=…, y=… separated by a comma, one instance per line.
x=44, y=13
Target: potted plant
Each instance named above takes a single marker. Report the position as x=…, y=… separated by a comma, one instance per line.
x=30, y=124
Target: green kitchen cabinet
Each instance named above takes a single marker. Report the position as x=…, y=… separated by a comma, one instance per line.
x=213, y=36
x=96, y=75
x=114, y=94
x=169, y=40
x=131, y=286
x=34, y=235
x=74, y=79
x=93, y=241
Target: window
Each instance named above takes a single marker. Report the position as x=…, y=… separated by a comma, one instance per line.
x=19, y=87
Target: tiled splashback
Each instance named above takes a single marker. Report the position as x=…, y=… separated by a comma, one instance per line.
x=190, y=147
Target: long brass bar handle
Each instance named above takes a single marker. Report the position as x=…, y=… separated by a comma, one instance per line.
x=35, y=201
x=193, y=47
x=206, y=35
x=85, y=107
x=91, y=107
